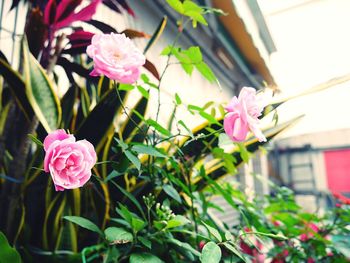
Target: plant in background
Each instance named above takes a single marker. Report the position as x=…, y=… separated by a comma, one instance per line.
x=149, y=196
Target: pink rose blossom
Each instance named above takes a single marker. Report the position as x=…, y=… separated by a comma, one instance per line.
x=116, y=57
x=243, y=113
x=68, y=161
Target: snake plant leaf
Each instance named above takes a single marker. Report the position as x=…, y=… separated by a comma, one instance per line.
x=17, y=87
x=317, y=88
x=100, y=119
x=157, y=33
x=40, y=92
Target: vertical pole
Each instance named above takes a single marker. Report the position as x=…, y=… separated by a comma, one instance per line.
x=264, y=173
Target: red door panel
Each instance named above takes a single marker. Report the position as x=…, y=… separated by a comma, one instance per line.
x=338, y=170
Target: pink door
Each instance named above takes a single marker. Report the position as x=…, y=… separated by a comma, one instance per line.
x=338, y=170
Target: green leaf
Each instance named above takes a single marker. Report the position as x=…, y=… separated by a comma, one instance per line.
x=147, y=149
x=234, y=250
x=180, y=122
x=7, y=253
x=176, y=5
x=184, y=60
x=83, y=222
x=195, y=12
x=143, y=91
x=125, y=213
x=137, y=224
x=209, y=118
x=112, y=175
x=177, y=99
x=224, y=140
x=158, y=127
x=243, y=152
x=211, y=253
x=122, y=144
x=103, y=114
x=144, y=258
x=214, y=232
x=178, y=220
x=206, y=72
x=145, y=242
x=184, y=245
x=171, y=191
x=112, y=255
x=126, y=87
x=166, y=51
x=228, y=236
x=133, y=159
x=40, y=92
x=132, y=199
x=17, y=86
x=118, y=235
x=35, y=140
x=67, y=103
x=195, y=54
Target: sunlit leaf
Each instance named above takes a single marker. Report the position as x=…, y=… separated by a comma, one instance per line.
x=83, y=222
x=211, y=253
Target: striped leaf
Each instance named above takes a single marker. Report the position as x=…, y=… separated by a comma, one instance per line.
x=39, y=91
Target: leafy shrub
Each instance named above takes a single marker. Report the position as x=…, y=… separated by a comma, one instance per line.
x=149, y=199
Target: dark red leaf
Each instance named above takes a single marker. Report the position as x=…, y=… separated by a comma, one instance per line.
x=151, y=68
x=84, y=14
x=36, y=31
x=101, y=26
x=134, y=34
x=112, y=5
x=50, y=12
x=70, y=67
x=80, y=35
x=125, y=5
x=14, y=4
x=76, y=50
x=66, y=8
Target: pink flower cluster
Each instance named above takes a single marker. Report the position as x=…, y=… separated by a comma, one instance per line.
x=68, y=161
x=116, y=57
x=242, y=115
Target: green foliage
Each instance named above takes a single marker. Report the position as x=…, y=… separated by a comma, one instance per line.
x=189, y=59
x=144, y=257
x=117, y=235
x=211, y=253
x=7, y=253
x=40, y=92
x=83, y=222
x=150, y=197
x=189, y=9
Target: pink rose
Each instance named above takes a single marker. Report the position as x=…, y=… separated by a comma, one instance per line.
x=243, y=113
x=116, y=57
x=68, y=161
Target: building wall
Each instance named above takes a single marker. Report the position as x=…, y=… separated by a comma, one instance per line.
x=289, y=151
